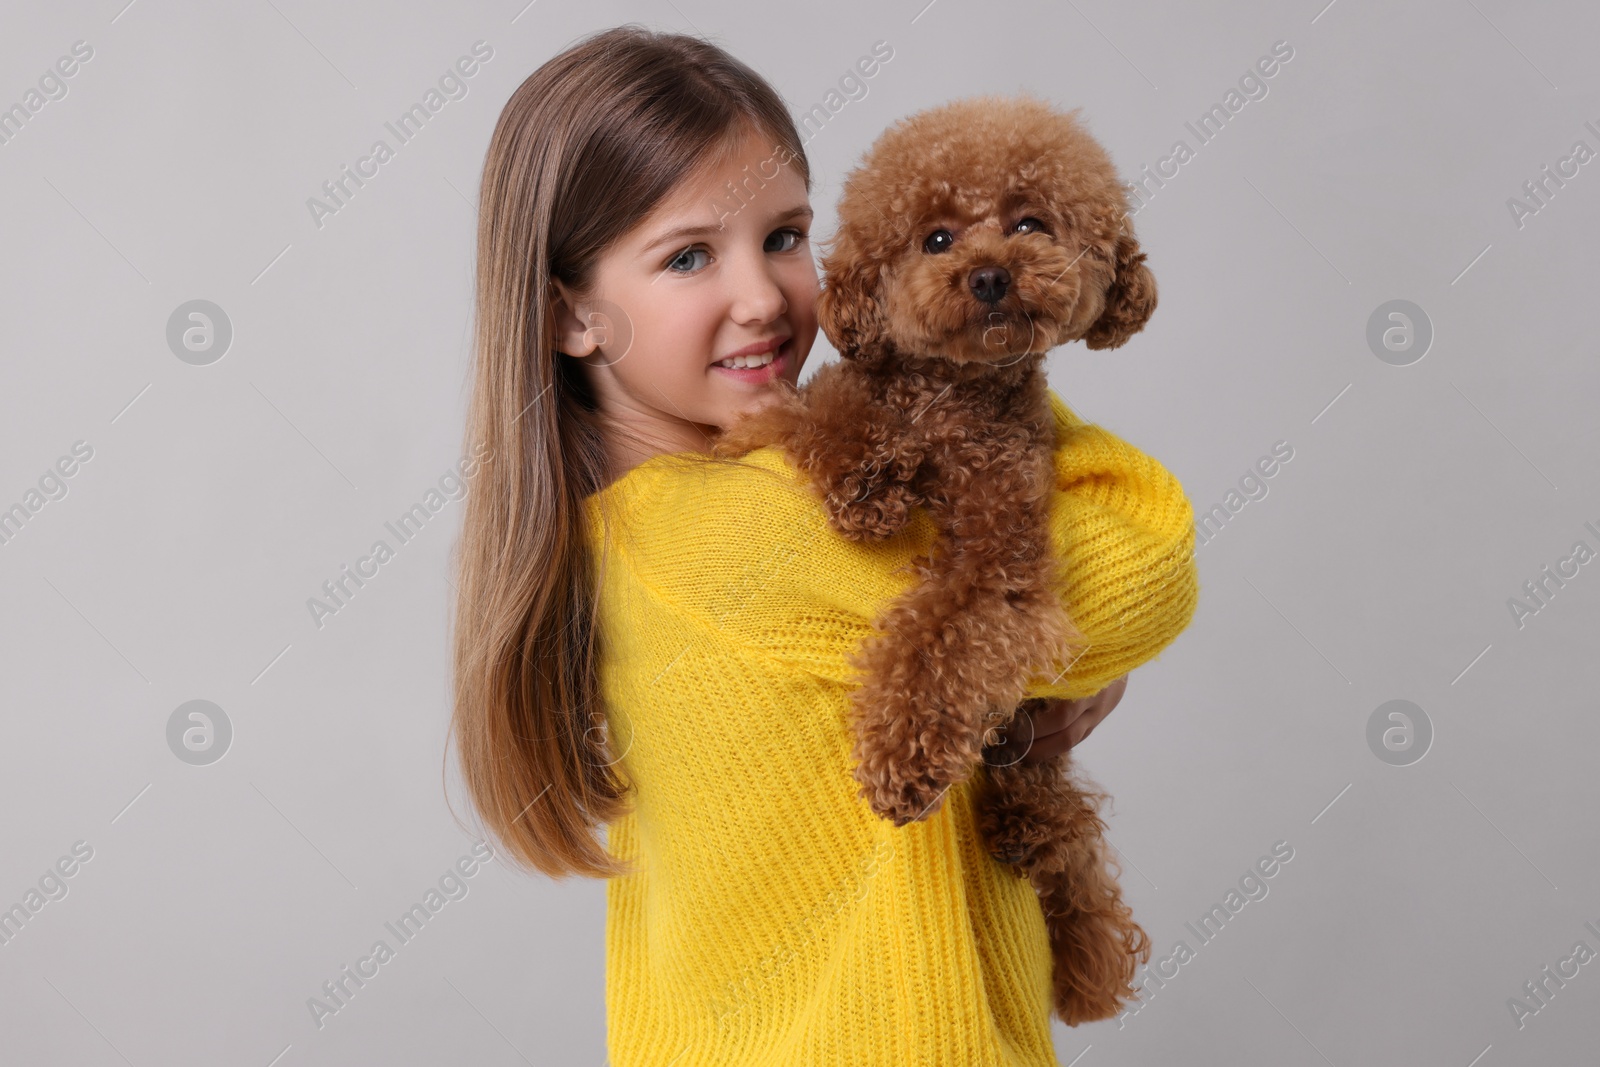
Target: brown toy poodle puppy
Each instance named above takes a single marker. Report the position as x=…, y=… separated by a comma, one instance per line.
x=973, y=238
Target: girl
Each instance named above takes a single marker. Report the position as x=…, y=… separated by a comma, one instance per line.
x=654, y=640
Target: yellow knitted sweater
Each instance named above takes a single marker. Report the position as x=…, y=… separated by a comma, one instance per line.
x=774, y=919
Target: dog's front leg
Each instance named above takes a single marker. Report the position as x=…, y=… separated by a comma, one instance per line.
x=919, y=719
x=864, y=479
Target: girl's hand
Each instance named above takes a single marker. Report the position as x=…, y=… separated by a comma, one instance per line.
x=1045, y=735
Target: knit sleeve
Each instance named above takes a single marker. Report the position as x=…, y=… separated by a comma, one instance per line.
x=753, y=556
x=1123, y=531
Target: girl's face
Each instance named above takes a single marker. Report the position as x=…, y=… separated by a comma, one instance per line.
x=708, y=274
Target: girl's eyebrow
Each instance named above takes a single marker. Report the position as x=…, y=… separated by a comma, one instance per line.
x=799, y=211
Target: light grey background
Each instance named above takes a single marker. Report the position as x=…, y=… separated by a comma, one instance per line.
x=1378, y=566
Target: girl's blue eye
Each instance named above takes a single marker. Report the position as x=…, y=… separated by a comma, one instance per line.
x=677, y=266
x=678, y=259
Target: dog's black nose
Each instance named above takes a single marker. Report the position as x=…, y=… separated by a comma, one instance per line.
x=989, y=283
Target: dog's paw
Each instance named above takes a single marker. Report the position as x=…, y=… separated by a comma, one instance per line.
x=1009, y=850
x=1008, y=834
x=904, y=799
x=906, y=771
x=875, y=518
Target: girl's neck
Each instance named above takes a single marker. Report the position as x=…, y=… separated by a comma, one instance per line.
x=627, y=449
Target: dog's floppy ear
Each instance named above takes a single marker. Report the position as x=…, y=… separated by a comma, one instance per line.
x=850, y=307
x=1130, y=300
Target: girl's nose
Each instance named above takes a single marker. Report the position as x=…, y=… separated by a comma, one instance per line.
x=757, y=297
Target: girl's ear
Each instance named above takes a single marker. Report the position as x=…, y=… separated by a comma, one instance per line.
x=1130, y=300
x=572, y=333
x=850, y=308
x=586, y=326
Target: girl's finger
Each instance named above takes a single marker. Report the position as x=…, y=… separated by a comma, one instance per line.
x=1045, y=748
x=1083, y=726
x=1056, y=715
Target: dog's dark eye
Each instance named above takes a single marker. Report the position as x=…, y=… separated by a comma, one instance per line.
x=1035, y=226
x=939, y=241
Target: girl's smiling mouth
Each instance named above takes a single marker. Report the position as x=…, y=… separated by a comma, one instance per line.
x=758, y=369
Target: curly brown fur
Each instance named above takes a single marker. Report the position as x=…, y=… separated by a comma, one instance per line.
x=973, y=238
x=1037, y=816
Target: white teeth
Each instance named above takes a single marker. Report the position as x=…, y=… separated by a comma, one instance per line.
x=748, y=361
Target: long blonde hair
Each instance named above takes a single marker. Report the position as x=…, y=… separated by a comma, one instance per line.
x=584, y=150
